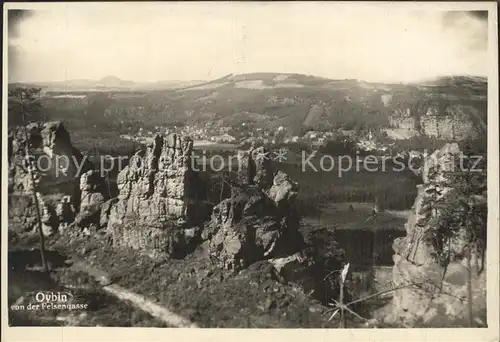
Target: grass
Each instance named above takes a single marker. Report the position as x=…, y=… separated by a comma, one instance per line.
x=339, y=215
x=396, y=189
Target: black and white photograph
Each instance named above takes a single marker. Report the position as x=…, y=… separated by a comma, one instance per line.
x=256, y=165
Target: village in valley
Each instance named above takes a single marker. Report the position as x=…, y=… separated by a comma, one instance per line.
x=357, y=201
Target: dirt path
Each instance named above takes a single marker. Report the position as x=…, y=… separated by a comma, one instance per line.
x=101, y=310
x=141, y=302
x=107, y=304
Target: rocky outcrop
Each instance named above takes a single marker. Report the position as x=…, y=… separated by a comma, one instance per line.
x=56, y=169
x=19, y=178
x=456, y=122
x=154, y=187
x=283, y=191
x=106, y=211
x=156, y=208
x=22, y=215
x=433, y=293
x=93, y=195
x=156, y=195
x=48, y=217
x=258, y=221
x=437, y=166
x=243, y=229
x=65, y=212
x=255, y=168
x=57, y=162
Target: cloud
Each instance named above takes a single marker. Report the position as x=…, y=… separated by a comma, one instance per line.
x=199, y=41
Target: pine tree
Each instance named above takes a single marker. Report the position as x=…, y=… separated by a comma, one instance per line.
x=462, y=213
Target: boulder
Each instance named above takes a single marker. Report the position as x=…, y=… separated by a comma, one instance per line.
x=238, y=239
x=284, y=190
x=258, y=221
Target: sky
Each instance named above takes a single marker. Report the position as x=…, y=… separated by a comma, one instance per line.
x=203, y=41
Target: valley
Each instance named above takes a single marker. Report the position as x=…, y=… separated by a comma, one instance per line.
x=208, y=239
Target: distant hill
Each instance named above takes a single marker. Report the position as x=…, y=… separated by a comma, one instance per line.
x=269, y=100
x=310, y=102
x=107, y=83
x=113, y=81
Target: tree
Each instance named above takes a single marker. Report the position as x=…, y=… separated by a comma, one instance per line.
x=25, y=106
x=463, y=213
x=465, y=208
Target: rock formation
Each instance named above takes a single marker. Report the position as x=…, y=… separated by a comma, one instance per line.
x=65, y=212
x=455, y=123
x=57, y=164
x=156, y=195
x=258, y=221
x=433, y=294
x=22, y=214
x=93, y=195
x=59, y=171
x=51, y=151
x=255, y=168
x=106, y=211
x=49, y=219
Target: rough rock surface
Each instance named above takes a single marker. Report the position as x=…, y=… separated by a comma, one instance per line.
x=454, y=123
x=106, y=211
x=57, y=167
x=258, y=221
x=255, y=167
x=23, y=216
x=49, y=219
x=50, y=145
x=65, y=212
x=283, y=190
x=156, y=196
x=93, y=195
x=435, y=295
